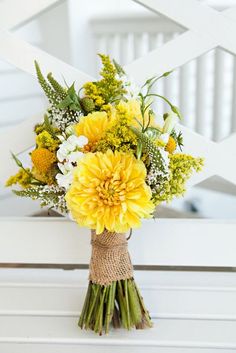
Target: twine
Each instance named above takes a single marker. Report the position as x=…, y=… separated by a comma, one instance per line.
x=110, y=260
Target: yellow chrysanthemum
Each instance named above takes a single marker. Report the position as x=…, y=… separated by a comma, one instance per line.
x=93, y=126
x=109, y=191
x=43, y=160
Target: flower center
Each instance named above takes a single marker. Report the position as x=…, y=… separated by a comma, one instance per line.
x=111, y=192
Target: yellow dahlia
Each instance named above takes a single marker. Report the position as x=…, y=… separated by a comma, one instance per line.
x=109, y=191
x=93, y=126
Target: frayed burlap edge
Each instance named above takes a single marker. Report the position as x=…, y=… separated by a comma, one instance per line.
x=110, y=260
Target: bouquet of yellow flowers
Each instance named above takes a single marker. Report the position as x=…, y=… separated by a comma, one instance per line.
x=101, y=157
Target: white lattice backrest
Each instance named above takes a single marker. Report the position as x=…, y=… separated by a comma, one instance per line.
x=208, y=28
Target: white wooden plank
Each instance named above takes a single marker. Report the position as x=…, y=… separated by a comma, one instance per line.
x=11, y=143
x=22, y=55
x=162, y=59
x=23, y=241
x=233, y=108
x=199, y=18
x=134, y=24
x=13, y=111
x=20, y=84
x=42, y=348
x=168, y=294
x=165, y=333
x=218, y=93
x=21, y=11
x=201, y=96
x=217, y=156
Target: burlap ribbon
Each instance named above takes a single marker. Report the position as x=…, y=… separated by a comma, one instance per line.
x=110, y=260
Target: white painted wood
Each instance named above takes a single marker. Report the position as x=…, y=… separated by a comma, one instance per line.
x=218, y=93
x=201, y=74
x=36, y=241
x=28, y=348
x=217, y=156
x=165, y=333
x=24, y=105
x=166, y=60
x=233, y=111
x=134, y=24
x=168, y=294
x=170, y=56
x=198, y=17
x=185, y=94
x=21, y=12
x=16, y=144
x=22, y=54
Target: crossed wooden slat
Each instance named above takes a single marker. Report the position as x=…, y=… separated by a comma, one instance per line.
x=208, y=29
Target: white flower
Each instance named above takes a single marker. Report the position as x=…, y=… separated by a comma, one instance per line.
x=64, y=180
x=164, y=137
x=170, y=122
x=75, y=156
x=68, y=154
x=72, y=144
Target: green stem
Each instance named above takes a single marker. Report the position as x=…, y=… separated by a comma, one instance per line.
x=85, y=307
x=95, y=292
x=127, y=304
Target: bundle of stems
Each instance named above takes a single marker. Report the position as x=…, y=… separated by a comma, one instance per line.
x=119, y=304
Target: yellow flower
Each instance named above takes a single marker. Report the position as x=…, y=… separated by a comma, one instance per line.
x=43, y=160
x=132, y=112
x=171, y=145
x=45, y=140
x=22, y=177
x=109, y=192
x=93, y=126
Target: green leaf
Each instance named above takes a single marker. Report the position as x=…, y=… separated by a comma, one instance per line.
x=61, y=92
x=119, y=69
x=17, y=161
x=153, y=132
x=139, y=149
x=48, y=126
x=71, y=100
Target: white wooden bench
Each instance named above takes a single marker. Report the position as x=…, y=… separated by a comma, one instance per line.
x=193, y=310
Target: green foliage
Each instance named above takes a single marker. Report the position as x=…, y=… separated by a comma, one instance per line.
x=23, y=178
x=119, y=69
x=148, y=147
x=48, y=127
x=87, y=105
x=178, y=138
x=61, y=91
x=109, y=89
x=71, y=100
x=49, y=195
x=52, y=96
x=181, y=168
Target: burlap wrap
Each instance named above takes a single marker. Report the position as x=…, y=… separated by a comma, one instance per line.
x=110, y=260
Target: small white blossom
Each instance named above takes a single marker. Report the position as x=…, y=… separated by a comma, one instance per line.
x=68, y=154
x=72, y=144
x=64, y=180
x=164, y=137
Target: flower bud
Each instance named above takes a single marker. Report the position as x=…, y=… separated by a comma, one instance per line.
x=170, y=123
